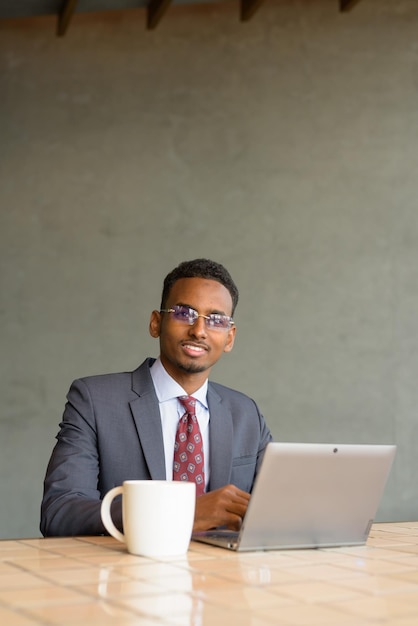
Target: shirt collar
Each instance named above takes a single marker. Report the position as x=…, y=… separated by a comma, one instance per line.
x=167, y=388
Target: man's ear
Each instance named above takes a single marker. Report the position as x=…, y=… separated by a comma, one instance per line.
x=230, y=339
x=155, y=324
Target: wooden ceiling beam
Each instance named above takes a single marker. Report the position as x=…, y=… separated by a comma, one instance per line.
x=248, y=8
x=347, y=5
x=65, y=16
x=157, y=8
x=155, y=12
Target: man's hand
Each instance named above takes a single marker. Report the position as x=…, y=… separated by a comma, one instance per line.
x=223, y=507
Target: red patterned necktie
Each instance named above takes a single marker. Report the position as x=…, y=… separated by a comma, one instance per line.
x=188, y=447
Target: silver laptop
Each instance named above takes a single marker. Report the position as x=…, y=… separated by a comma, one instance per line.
x=310, y=495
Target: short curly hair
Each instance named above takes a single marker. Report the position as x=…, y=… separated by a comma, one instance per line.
x=200, y=268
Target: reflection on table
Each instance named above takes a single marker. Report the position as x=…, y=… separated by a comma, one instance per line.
x=94, y=581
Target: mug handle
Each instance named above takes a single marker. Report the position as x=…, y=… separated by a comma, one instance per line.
x=106, y=515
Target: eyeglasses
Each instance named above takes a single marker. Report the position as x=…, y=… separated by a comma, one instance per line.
x=189, y=316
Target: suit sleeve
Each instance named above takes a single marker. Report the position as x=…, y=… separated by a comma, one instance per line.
x=71, y=501
x=265, y=438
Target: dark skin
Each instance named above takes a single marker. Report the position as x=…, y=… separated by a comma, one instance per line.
x=188, y=354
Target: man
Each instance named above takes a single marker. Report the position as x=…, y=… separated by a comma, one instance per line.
x=124, y=426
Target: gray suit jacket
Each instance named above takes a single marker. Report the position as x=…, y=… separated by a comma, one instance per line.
x=111, y=432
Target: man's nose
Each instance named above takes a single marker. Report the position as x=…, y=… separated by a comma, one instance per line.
x=199, y=328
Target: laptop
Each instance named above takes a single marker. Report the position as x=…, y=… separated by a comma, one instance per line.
x=309, y=495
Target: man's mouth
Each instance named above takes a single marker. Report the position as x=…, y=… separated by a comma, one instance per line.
x=194, y=348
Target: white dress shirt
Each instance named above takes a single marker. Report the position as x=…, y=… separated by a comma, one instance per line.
x=171, y=410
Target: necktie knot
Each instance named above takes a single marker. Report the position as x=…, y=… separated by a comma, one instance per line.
x=189, y=404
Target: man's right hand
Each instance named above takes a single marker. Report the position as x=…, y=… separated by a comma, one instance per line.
x=223, y=507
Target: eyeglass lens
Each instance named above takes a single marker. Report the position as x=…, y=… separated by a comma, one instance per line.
x=190, y=316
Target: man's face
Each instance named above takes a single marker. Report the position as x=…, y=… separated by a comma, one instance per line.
x=187, y=350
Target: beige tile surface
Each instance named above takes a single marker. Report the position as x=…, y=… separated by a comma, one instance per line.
x=94, y=581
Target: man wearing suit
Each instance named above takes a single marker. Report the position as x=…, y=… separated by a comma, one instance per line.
x=123, y=426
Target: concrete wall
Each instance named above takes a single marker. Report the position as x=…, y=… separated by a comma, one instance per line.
x=285, y=148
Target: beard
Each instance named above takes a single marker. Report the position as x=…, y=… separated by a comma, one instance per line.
x=191, y=368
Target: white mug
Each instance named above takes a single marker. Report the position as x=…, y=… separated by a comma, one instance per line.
x=157, y=516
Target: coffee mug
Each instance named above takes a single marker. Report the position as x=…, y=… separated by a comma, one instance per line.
x=157, y=516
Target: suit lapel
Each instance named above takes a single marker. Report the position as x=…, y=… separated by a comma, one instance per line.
x=147, y=420
x=220, y=437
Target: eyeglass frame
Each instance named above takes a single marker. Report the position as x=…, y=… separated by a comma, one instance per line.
x=194, y=316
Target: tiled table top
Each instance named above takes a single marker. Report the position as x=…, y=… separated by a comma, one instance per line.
x=94, y=581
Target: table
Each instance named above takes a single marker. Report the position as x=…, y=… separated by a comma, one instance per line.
x=94, y=581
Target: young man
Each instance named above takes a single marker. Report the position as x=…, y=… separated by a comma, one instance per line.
x=125, y=426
